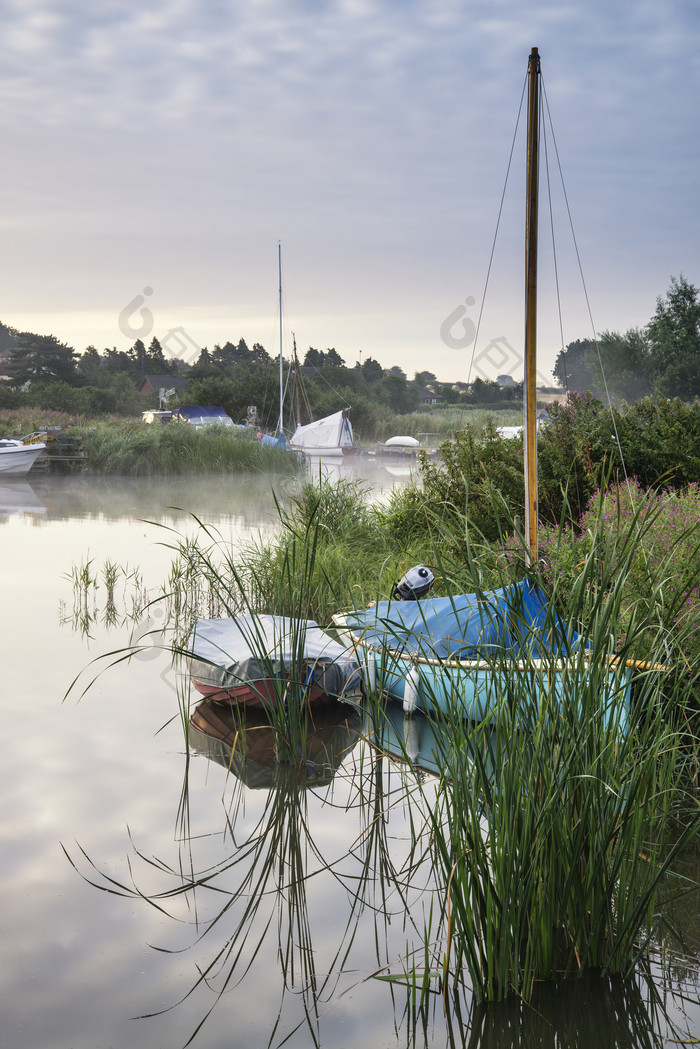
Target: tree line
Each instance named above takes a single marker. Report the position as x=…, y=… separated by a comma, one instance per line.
x=660, y=359
x=44, y=372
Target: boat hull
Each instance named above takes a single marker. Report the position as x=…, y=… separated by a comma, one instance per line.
x=17, y=459
x=324, y=453
x=265, y=661
x=479, y=691
x=258, y=694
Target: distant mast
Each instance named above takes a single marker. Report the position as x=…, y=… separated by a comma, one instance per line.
x=529, y=386
x=279, y=267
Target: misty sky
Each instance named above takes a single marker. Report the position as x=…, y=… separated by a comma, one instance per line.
x=170, y=145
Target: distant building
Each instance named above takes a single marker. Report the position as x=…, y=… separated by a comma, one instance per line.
x=155, y=383
x=428, y=396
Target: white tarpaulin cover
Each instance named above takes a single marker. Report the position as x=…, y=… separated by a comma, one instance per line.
x=229, y=652
x=335, y=431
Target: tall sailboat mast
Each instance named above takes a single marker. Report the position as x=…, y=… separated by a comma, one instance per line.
x=529, y=386
x=279, y=268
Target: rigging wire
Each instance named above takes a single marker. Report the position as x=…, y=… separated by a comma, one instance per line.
x=642, y=545
x=498, y=225
x=585, y=289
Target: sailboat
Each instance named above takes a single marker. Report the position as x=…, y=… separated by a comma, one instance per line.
x=442, y=654
x=325, y=438
x=330, y=436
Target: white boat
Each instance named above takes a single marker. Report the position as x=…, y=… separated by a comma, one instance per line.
x=18, y=454
x=331, y=436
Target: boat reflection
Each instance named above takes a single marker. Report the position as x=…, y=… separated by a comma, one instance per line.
x=416, y=740
x=18, y=497
x=244, y=741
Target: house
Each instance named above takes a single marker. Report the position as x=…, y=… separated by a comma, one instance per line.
x=156, y=383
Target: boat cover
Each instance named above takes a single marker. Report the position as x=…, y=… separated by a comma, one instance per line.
x=516, y=619
x=203, y=415
x=230, y=652
x=335, y=431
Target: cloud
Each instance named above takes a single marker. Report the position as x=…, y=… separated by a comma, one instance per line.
x=173, y=144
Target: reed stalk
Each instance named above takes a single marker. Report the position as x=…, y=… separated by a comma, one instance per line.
x=555, y=817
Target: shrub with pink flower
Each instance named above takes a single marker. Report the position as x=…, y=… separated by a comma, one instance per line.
x=653, y=539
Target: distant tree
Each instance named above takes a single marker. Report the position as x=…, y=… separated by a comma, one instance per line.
x=313, y=358
x=399, y=395
x=425, y=378
x=37, y=358
x=224, y=357
x=372, y=370
x=323, y=359
x=156, y=361
x=333, y=359
x=8, y=338
x=572, y=369
x=395, y=370
x=118, y=361
x=485, y=391
x=90, y=366
x=674, y=341
x=203, y=366
x=622, y=364
x=259, y=354
x=137, y=359
x=242, y=353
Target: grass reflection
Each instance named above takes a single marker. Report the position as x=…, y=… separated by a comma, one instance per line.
x=322, y=876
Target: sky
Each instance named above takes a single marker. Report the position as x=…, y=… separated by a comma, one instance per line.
x=155, y=155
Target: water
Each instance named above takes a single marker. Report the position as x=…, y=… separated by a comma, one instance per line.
x=104, y=821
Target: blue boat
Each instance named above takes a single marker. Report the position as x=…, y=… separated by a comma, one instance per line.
x=471, y=654
x=506, y=650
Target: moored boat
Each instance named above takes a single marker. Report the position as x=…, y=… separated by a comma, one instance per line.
x=18, y=454
x=462, y=654
x=266, y=660
x=330, y=436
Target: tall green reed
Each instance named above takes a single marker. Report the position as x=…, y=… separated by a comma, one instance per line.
x=561, y=811
x=151, y=451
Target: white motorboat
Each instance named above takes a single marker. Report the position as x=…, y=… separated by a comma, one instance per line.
x=18, y=454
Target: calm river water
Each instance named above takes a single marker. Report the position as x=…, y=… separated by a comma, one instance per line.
x=289, y=917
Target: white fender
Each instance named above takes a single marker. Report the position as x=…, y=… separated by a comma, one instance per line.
x=410, y=694
x=369, y=672
x=411, y=739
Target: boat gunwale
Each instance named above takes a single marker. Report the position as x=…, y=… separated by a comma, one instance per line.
x=536, y=663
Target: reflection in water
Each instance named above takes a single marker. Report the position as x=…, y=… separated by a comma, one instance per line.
x=592, y=1012
x=243, y=741
x=246, y=498
x=18, y=497
x=320, y=879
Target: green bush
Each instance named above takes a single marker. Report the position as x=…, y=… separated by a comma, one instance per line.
x=476, y=473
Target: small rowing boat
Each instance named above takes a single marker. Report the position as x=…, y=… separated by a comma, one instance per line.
x=265, y=660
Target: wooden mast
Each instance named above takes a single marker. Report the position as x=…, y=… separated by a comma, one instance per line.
x=529, y=386
x=279, y=268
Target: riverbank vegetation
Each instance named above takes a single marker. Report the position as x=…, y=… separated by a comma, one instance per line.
x=658, y=360
x=553, y=824
x=547, y=834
